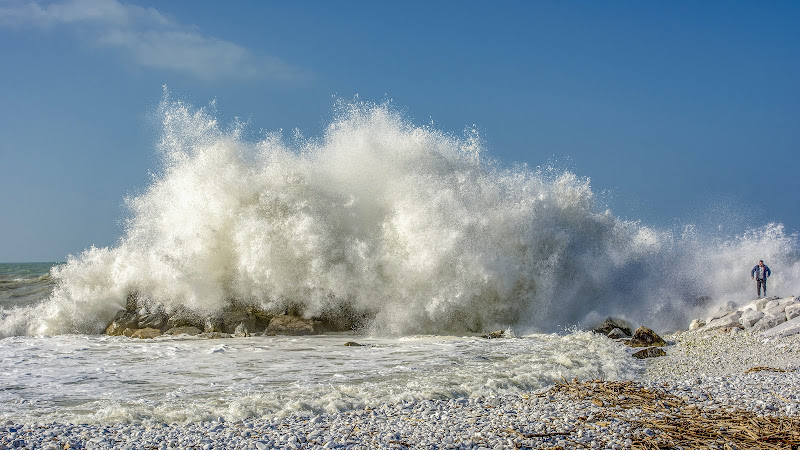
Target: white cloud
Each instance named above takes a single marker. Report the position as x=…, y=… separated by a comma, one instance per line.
x=147, y=38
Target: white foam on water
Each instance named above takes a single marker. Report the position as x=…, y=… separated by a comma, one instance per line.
x=98, y=379
x=413, y=229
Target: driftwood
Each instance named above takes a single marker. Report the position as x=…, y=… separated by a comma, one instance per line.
x=677, y=424
x=769, y=369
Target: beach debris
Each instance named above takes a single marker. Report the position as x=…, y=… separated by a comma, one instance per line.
x=768, y=369
x=645, y=337
x=649, y=352
x=669, y=421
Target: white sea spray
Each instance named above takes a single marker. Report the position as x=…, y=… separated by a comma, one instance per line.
x=410, y=228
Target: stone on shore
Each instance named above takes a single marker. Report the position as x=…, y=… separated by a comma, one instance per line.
x=697, y=323
x=645, y=337
x=649, y=352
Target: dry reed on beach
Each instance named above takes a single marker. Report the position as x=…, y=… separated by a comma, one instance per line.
x=678, y=424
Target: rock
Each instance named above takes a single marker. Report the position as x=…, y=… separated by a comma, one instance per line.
x=182, y=319
x=759, y=304
x=212, y=325
x=616, y=333
x=214, y=335
x=146, y=333
x=494, y=334
x=241, y=331
x=291, y=325
x=727, y=321
x=352, y=344
x=723, y=311
x=192, y=331
x=650, y=352
x=610, y=324
x=122, y=321
x=769, y=321
x=792, y=311
x=696, y=324
x=157, y=320
x=750, y=317
x=254, y=320
x=645, y=337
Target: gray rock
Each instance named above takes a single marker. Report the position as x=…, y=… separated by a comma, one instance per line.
x=792, y=311
x=769, y=321
x=750, y=317
x=696, y=324
x=723, y=311
x=727, y=321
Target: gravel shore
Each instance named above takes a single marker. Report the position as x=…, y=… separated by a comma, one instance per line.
x=702, y=373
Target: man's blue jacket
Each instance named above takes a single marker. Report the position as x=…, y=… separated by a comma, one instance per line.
x=755, y=272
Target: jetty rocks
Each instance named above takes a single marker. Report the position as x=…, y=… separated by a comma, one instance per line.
x=142, y=321
x=767, y=316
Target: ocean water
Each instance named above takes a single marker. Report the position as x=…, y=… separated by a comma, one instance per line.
x=415, y=234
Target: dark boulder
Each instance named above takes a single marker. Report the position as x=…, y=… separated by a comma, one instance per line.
x=608, y=325
x=645, y=337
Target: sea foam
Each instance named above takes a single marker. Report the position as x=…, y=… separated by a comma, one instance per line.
x=408, y=228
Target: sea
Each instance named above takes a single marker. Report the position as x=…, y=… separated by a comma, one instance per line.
x=415, y=235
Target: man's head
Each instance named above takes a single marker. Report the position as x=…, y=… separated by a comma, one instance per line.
x=760, y=262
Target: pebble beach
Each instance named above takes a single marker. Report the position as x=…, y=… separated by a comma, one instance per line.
x=706, y=373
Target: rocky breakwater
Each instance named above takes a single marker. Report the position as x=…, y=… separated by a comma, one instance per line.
x=767, y=316
x=141, y=320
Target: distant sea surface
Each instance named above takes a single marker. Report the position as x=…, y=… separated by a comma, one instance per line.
x=23, y=284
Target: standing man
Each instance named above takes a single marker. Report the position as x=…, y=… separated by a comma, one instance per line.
x=760, y=272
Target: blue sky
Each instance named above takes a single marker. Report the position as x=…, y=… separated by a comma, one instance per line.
x=679, y=112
